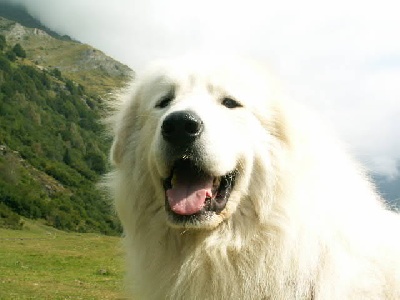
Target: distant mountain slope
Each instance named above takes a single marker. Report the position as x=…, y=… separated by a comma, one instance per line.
x=19, y=14
x=53, y=147
x=84, y=64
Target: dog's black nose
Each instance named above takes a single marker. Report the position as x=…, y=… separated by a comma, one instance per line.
x=181, y=128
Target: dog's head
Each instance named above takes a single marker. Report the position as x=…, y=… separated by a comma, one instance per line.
x=196, y=130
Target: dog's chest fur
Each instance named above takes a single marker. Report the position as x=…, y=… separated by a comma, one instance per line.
x=187, y=265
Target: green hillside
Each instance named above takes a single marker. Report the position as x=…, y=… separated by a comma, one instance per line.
x=52, y=145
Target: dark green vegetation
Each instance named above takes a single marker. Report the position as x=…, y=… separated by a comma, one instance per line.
x=52, y=148
x=44, y=263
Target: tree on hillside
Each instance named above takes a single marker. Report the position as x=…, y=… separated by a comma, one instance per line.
x=56, y=73
x=11, y=55
x=19, y=51
x=67, y=157
x=5, y=65
x=3, y=42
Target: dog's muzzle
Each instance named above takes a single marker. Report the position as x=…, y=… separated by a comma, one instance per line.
x=192, y=193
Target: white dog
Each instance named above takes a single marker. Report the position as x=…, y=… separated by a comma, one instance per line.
x=227, y=191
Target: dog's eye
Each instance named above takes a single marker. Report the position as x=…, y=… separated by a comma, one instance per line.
x=230, y=103
x=165, y=100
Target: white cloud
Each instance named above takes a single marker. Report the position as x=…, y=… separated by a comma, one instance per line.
x=342, y=57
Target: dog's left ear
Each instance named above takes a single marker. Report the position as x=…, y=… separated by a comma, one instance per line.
x=124, y=126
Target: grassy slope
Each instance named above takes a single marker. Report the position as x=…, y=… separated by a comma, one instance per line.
x=66, y=56
x=44, y=263
x=82, y=63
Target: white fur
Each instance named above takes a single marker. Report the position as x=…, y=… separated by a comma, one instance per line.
x=303, y=221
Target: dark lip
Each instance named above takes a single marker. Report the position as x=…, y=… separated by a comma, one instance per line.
x=212, y=206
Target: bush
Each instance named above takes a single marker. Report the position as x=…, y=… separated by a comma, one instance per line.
x=19, y=51
x=3, y=43
x=64, y=174
x=5, y=65
x=11, y=55
x=9, y=219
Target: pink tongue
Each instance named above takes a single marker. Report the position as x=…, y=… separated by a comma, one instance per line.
x=187, y=198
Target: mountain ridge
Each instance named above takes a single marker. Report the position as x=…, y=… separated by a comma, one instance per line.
x=18, y=13
x=81, y=62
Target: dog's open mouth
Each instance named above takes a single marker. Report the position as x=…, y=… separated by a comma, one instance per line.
x=190, y=191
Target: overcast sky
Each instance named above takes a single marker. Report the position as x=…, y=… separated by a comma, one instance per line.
x=342, y=57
